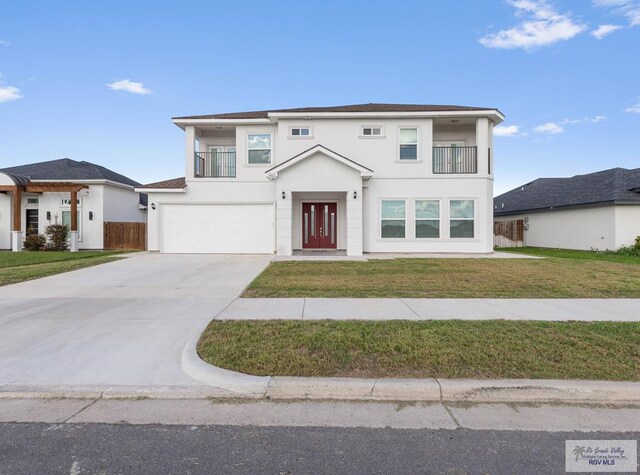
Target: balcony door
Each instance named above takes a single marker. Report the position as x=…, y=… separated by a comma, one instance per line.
x=221, y=161
x=319, y=226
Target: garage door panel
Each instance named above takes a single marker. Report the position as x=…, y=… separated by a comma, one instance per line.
x=192, y=228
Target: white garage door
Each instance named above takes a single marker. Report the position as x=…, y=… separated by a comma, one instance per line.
x=193, y=228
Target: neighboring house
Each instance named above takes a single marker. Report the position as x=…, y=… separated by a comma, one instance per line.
x=369, y=177
x=45, y=191
x=595, y=211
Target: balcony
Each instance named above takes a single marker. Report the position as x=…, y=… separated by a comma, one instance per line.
x=455, y=160
x=215, y=165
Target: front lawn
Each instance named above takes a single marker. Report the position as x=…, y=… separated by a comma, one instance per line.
x=427, y=349
x=553, y=277
x=574, y=254
x=20, y=266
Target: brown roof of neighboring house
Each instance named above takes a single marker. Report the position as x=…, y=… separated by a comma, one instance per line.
x=371, y=107
x=173, y=183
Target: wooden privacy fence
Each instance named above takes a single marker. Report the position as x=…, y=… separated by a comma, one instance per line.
x=509, y=233
x=129, y=236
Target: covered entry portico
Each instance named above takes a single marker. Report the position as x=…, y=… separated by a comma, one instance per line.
x=310, y=187
x=17, y=185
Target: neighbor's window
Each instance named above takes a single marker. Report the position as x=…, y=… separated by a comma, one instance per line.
x=427, y=218
x=300, y=131
x=259, y=147
x=409, y=144
x=461, y=217
x=66, y=221
x=371, y=131
x=393, y=216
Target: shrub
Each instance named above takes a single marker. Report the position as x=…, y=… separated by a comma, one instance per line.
x=35, y=242
x=58, y=236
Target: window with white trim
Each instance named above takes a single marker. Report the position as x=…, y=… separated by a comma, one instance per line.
x=409, y=144
x=300, y=131
x=259, y=148
x=371, y=131
x=66, y=221
x=461, y=218
x=427, y=218
x=393, y=215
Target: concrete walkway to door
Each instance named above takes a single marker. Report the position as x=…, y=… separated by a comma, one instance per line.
x=121, y=324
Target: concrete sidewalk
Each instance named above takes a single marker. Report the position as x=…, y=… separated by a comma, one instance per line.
x=588, y=310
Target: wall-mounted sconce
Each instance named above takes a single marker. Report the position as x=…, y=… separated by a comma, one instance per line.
x=284, y=195
x=355, y=195
x=48, y=215
x=153, y=206
x=90, y=215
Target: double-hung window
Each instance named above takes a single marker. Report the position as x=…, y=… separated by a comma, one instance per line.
x=393, y=219
x=461, y=218
x=409, y=144
x=66, y=221
x=427, y=219
x=259, y=148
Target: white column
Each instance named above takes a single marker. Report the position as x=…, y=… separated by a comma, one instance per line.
x=16, y=241
x=190, y=135
x=73, y=241
x=284, y=223
x=482, y=142
x=426, y=142
x=354, y=222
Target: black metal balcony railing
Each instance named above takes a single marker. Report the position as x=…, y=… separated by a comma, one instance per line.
x=455, y=160
x=215, y=165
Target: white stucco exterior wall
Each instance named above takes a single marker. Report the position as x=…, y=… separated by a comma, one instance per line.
x=627, y=224
x=584, y=228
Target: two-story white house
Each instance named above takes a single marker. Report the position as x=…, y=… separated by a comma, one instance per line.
x=359, y=178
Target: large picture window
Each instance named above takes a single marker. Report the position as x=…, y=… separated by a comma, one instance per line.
x=427, y=218
x=259, y=148
x=393, y=219
x=461, y=218
x=409, y=144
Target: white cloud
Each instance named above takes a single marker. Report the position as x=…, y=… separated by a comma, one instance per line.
x=585, y=120
x=604, y=30
x=634, y=109
x=543, y=26
x=129, y=86
x=9, y=93
x=628, y=8
x=506, y=130
x=549, y=128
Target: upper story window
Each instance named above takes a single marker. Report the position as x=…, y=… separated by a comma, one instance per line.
x=301, y=132
x=259, y=148
x=371, y=131
x=409, y=144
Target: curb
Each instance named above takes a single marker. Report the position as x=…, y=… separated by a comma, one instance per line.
x=428, y=390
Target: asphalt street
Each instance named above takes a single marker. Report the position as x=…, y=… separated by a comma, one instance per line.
x=30, y=448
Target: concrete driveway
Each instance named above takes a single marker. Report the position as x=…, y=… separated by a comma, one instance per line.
x=123, y=323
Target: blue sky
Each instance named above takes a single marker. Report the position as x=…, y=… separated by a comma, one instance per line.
x=99, y=81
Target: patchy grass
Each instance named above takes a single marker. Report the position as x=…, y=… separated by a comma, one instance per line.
x=573, y=254
x=444, y=349
x=21, y=266
x=450, y=278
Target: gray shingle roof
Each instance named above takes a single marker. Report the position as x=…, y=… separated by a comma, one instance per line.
x=370, y=107
x=172, y=183
x=600, y=187
x=67, y=169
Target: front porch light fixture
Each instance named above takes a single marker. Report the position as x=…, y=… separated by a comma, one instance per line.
x=284, y=195
x=355, y=195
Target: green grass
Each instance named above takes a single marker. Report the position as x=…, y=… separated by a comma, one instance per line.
x=573, y=254
x=21, y=266
x=554, y=277
x=441, y=349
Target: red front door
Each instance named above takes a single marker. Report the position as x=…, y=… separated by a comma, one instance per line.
x=319, y=226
